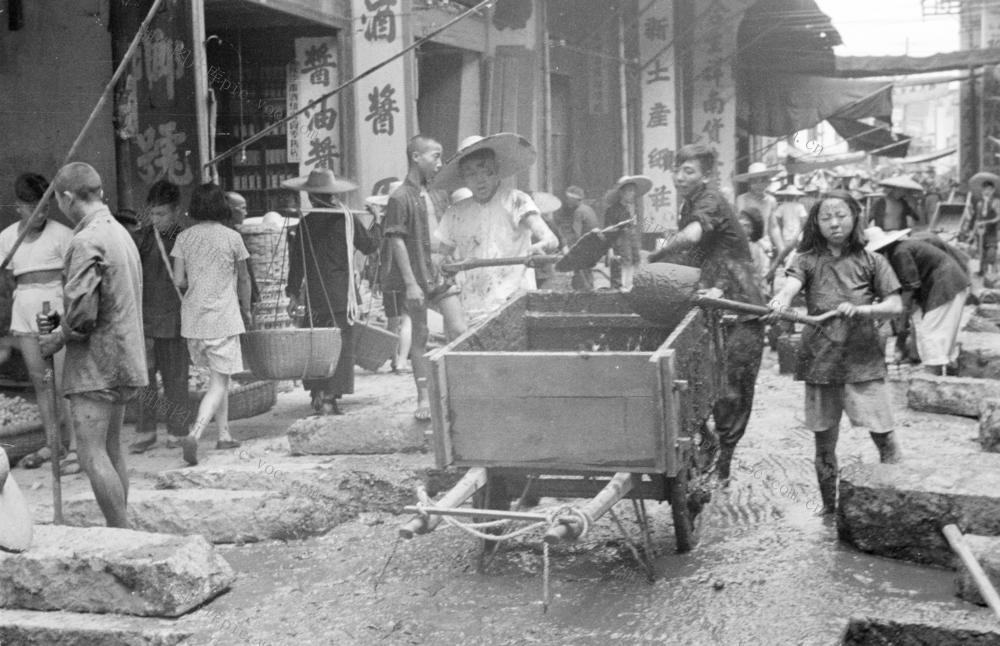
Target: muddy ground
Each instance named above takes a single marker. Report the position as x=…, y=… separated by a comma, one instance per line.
x=766, y=572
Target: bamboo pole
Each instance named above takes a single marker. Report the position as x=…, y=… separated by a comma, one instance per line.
x=960, y=547
x=129, y=53
x=570, y=527
x=473, y=480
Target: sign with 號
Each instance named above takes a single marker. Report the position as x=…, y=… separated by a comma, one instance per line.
x=659, y=132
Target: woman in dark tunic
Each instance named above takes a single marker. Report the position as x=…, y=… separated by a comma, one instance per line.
x=320, y=275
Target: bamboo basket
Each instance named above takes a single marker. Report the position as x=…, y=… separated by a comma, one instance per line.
x=300, y=353
x=373, y=346
x=21, y=439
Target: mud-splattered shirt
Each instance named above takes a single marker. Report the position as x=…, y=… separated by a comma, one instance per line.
x=102, y=320
x=844, y=350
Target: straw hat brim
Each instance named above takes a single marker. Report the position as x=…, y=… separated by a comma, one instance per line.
x=642, y=183
x=16, y=529
x=886, y=239
x=329, y=185
x=904, y=183
x=377, y=200
x=761, y=174
x=977, y=180
x=513, y=153
x=546, y=202
x=789, y=191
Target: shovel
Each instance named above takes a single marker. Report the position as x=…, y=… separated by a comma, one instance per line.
x=584, y=254
x=52, y=431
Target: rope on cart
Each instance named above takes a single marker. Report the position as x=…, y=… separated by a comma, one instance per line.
x=473, y=529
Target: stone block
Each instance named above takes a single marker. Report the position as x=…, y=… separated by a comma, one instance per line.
x=986, y=549
x=221, y=516
x=102, y=569
x=366, y=431
x=898, y=510
x=877, y=631
x=989, y=425
x=989, y=311
x=19, y=627
x=950, y=395
x=350, y=484
x=979, y=355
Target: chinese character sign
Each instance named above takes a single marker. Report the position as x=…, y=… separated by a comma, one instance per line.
x=713, y=106
x=659, y=133
x=317, y=130
x=291, y=107
x=380, y=99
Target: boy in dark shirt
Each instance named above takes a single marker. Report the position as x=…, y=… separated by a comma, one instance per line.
x=166, y=350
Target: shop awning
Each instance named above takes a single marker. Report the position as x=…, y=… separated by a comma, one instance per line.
x=777, y=105
x=929, y=157
x=801, y=161
x=878, y=140
x=862, y=66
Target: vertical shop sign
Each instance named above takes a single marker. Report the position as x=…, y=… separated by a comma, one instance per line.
x=713, y=105
x=599, y=78
x=659, y=133
x=291, y=107
x=317, y=71
x=380, y=97
x=155, y=103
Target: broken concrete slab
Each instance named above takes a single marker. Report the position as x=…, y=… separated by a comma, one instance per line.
x=898, y=510
x=986, y=549
x=220, y=515
x=989, y=425
x=103, y=569
x=979, y=355
x=360, y=432
x=77, y=629
x=876, y=631
x=950, y=395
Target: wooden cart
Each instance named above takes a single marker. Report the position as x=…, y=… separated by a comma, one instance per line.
x=571, y=395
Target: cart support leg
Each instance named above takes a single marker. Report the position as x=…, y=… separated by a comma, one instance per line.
x=471, y=482
x=571, y=527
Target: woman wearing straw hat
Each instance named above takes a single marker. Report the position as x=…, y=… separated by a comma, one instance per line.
x=498, y=221
x=321, y=257
x=623, y=199
x=900, y=209
x=935, y=288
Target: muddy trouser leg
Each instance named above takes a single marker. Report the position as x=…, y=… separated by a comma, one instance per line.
x=744, y=347
x=826, y=467
x=615, y=271
x=173, y=360
x=149, y=399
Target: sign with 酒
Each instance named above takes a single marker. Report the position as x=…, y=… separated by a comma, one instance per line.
x=380, y=97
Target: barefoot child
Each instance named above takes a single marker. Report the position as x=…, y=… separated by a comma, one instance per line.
x=843, y=364
x=208, y=261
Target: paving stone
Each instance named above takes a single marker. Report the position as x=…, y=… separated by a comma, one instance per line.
x=876, y=631
x=979, y=355
x=19, y=627
x=950, y=395
x=898, y=510
x=989, y=425
x=361, y=432
x=220, y=515
x=103, y=569
x=350, y=483
x=986, y=549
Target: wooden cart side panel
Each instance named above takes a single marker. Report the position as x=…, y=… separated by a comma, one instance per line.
x=696, y=360
x=599, y=302
x=510, y=411
x=548, y=374
x=440, y=418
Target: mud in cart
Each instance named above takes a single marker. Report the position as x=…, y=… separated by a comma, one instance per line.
x=570, y=396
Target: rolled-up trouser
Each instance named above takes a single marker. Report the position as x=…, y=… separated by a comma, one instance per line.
x=937, y=331
x=170, y=358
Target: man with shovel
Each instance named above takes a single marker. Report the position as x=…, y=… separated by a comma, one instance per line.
x=712, y=239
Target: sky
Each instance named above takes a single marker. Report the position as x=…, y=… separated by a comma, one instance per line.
x=889, y=27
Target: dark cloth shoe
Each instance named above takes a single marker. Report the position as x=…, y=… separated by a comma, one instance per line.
x=222, y=445
x=141, y=446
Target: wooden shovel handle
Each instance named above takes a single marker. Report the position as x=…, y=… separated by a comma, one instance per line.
x=475, y=263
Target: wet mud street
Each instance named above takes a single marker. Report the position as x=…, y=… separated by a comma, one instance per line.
x=767, y=571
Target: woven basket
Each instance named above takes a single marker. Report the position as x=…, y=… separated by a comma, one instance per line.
x=21, y=439
x=245, y=401
x=300, y=353
x=373, y=346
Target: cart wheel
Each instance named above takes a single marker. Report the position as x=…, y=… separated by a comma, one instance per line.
x=686, y=503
